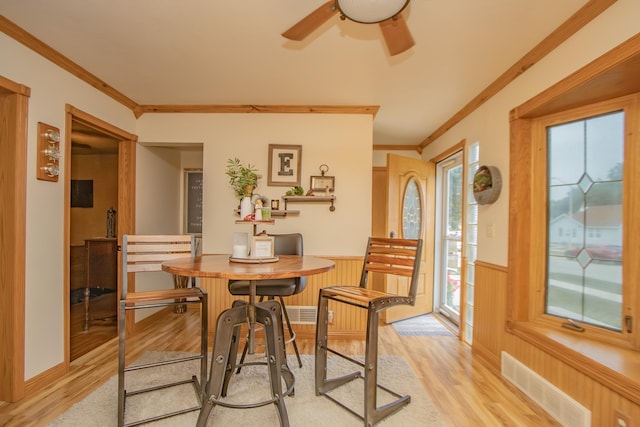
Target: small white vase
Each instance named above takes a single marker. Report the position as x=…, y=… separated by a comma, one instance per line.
x=246, y=207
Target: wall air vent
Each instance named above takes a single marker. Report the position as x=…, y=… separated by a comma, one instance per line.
x=553, y=400
x=302, y=314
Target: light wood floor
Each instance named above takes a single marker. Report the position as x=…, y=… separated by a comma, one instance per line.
x=464, y=390
x=101, y=327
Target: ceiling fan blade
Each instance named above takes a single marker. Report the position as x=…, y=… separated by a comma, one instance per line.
x=396, y=35
x=311, y=22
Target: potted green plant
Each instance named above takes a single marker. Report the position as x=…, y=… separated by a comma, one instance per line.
x=243, y=179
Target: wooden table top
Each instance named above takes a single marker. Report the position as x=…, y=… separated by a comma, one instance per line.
x=219, y=266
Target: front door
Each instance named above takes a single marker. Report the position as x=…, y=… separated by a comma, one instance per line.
x=411, y=214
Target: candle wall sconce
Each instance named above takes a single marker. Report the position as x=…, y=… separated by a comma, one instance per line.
x=48, y=163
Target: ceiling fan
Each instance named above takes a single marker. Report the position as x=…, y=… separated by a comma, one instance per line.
x=387, y=13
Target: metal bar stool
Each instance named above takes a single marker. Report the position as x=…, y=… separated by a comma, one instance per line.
x=399, y=257
x=143, y=254
x=284, y=244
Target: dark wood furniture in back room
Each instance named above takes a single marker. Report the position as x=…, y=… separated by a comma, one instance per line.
x=101, y=268
x=93, y=294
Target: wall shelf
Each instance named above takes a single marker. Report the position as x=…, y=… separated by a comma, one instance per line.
x=310, y=199
x=278, y=213
x=256, y=223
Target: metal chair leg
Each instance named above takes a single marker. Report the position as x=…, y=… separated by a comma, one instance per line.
x=233, y=351
x=227, y=320
x=292, y=333
x=322, y=327
x=245, y=350
x=121, y=362
x=372, y=413
x=371, y=368
x=324, y=384
x=269, y=315
x=204, y=344
x=225, y=351
x=292, y=336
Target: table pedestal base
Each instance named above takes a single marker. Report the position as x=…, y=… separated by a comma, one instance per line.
x=225, y=351
x=180, y=282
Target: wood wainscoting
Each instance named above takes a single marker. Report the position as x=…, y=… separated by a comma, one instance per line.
x=491, y=337
x=348, y=322
x=603, y=402
x=490, y=312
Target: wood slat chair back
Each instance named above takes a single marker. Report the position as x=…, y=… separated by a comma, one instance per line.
x=399, y=257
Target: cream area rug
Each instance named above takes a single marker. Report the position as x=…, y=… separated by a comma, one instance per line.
x=305, y=409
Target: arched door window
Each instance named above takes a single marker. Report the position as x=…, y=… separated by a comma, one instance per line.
x=412, y=211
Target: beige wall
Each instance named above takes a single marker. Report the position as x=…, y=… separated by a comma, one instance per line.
x=343, y=142
x=490, y=126
x=490, y=123
x=51, y=89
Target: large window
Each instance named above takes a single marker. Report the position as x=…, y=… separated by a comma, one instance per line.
x=583, y=191
x=588, y=318
x=585, y=161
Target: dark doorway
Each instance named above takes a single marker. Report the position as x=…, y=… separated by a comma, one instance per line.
x=93, y=278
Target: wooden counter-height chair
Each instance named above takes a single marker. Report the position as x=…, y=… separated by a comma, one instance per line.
x=398, y=257
x=143, y=254
x=284, y=244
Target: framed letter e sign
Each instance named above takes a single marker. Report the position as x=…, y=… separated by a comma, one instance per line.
x=284, y=165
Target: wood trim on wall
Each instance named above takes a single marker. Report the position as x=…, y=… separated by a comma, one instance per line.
x=43, y=49
x=266, y=109
x=451, y=151
x=612, y=75
x=381, y=147
x=578, y=20
x=587, y=389
x=31, y=42
x=568, y=28
x=600, y=375
x=126, y=198
x=14, y=101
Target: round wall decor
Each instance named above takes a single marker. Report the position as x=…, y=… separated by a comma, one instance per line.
x=487, y=183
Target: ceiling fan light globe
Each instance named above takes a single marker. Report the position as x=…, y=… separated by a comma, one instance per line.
x=371, y=11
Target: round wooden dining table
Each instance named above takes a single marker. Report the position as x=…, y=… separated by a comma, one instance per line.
x=222, y=267
x=268, y=313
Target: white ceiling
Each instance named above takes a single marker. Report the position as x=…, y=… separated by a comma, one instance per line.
x=231, y=52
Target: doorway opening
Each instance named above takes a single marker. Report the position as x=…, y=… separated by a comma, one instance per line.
x=99, y=195
x=449, y=228
x=93, y=240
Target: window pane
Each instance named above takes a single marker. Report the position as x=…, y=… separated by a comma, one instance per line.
x=564, y=288
x=584, y=232
x=566, y=153
x=472, y=214
x=603, y=294
x=411, y=211
x=454, y=202
x=604, y=159
x=472, y=234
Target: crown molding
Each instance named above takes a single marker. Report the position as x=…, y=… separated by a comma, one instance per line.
x=568, y=28
x=251, y=108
